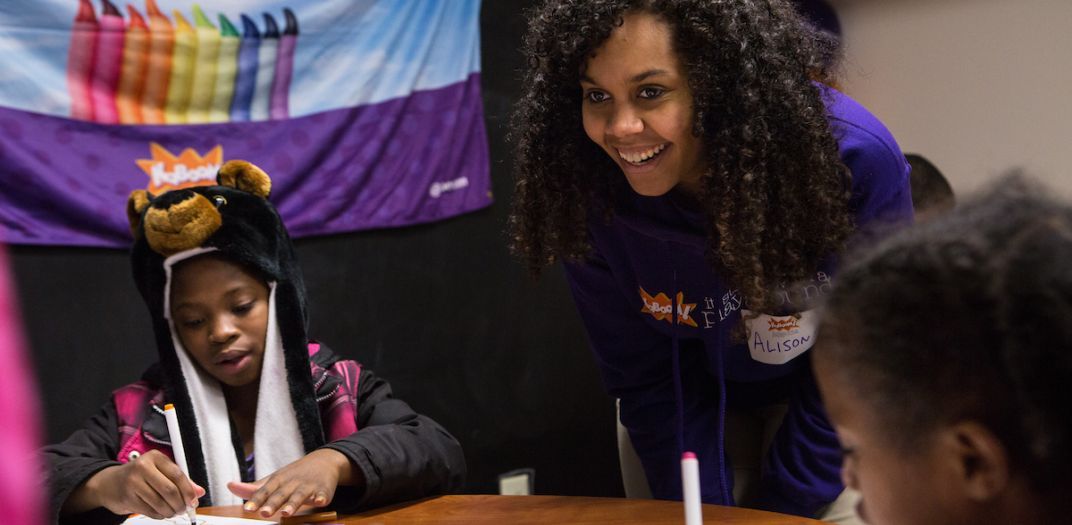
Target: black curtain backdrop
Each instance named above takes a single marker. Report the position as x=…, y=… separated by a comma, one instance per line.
x=442, y=311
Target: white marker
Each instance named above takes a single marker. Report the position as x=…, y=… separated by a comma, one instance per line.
x=690, y=478
x=176, y=449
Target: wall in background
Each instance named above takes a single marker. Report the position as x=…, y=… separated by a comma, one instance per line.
x=442, y=311
x=977, y=86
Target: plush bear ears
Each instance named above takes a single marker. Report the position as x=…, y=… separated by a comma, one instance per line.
x=182, y=219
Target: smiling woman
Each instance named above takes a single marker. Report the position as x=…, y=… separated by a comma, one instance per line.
x=688, y=162
x=638, y=107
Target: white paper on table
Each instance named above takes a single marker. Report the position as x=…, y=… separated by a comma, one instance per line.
x=201, y=520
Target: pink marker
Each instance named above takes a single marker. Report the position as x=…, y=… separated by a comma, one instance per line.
x=107, y=66
x=690, y=479
x=80, y=58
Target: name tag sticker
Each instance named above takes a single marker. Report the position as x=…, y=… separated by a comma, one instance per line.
x=776, y=340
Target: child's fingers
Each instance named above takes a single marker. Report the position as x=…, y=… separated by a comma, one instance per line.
x=169, y=491
x=173, y=476
x=153, y=504
x=298, y=496
x=278, y=497
x=242, y=489
x=260, y=496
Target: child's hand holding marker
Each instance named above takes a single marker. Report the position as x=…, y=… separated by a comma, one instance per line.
x=152, y=485
x=310, y=480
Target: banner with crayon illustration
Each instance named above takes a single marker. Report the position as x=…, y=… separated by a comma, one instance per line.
x=366, y=113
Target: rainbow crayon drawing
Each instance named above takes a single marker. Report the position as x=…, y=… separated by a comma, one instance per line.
x=266, y=58
x=132, y=73
x=204, y=78
x=158, y=69
x=109, y=57
x=80, y=57
x=284, y=68
x=226, y=69
x=154, y=70
x=183, y=59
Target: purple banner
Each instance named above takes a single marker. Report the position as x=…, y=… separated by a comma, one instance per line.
x=408, y=160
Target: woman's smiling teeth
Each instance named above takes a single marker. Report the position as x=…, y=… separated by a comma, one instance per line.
x=640, y=157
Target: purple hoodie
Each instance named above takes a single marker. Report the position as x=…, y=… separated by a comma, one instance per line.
x=660, y=320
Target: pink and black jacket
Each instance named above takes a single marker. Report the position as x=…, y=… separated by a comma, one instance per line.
x=402, y=454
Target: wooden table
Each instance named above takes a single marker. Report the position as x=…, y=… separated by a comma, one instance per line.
x=519, y=510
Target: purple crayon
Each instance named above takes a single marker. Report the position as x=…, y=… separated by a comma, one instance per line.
x=284, y=67
x=246, y=76
x=107, y=65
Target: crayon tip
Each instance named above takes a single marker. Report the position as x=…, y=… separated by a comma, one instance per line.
x=85, y=12
x=110, y=9
x=249, y=28
x=180, y=21
x=292, y=22
x=200, y=19
x=226, y=28
x=136, y=21
x=271, y=29
x=152, y=9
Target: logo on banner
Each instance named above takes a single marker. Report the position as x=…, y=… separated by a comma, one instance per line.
x=662, y=309
x=168, y=172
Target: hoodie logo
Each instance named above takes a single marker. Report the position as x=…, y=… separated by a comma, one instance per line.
x=661, y=308
x=169, y=172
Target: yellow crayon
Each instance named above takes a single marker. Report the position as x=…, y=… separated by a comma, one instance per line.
x=183, y=58
x=226, y=70
x=204, y=79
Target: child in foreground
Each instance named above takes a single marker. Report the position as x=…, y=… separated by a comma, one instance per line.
x=265, y=414
x=944, y=360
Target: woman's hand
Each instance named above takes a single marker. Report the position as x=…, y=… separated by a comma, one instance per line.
x=310, y=480
x=152, y=485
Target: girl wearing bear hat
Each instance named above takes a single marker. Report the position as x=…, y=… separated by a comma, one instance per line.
x=265, y=414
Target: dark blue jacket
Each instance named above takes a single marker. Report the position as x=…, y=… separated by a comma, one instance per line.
x=651, y=256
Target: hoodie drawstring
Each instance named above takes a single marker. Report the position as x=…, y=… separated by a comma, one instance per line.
x=724, y=492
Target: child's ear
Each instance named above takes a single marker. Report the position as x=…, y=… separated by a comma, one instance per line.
x=980, y=459
x=136, y=204
x=245, y=176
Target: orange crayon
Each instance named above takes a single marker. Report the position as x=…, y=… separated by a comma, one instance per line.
x=158, y=66
x=132, y=73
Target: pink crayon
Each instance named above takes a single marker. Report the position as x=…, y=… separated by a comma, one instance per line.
x=284, y=68
x=80, y=58
x=106, y=67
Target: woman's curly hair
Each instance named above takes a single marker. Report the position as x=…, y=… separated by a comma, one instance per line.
x=775, y=191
